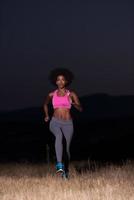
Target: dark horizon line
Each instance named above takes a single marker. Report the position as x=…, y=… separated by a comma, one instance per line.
x=83, y=96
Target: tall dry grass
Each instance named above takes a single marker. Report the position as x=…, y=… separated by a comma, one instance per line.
x=26, y=181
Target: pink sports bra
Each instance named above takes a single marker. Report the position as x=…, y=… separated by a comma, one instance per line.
x=61, y=101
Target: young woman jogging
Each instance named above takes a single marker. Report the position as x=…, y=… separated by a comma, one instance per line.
x=61, y=122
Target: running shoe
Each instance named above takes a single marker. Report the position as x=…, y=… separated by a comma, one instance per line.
x=59, y=167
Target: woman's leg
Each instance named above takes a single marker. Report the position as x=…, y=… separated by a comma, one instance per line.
x=55, y=129
x=68, y=133
x=67, y=130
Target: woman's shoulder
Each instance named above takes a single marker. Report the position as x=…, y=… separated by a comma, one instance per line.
x=72, y=92
x=51, y=93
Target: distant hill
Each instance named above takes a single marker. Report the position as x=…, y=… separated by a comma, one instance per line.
x=106, y=106
x=106, y=122
x=96, y=106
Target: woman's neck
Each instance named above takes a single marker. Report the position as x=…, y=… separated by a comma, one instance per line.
x=61, y=91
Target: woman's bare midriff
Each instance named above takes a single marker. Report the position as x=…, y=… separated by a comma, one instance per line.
x=62, y=113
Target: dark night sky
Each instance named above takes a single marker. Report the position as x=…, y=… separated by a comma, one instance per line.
x=92, y=38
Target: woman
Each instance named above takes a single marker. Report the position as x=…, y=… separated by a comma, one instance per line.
x=61, y=122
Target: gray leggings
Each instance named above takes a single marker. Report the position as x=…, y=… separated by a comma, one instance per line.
x=57, y=127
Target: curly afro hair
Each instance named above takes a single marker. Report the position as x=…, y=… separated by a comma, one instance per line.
x=69, y=76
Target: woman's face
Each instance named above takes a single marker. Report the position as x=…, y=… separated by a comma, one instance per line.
x=61, y=81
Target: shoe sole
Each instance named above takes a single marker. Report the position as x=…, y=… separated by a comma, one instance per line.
x=59, y=171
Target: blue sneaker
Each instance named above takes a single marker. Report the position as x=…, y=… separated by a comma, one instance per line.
x=59, y=167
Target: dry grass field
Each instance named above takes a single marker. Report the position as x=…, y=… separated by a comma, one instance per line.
x=26, y=181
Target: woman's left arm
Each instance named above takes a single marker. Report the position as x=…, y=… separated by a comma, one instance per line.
x=76, y=102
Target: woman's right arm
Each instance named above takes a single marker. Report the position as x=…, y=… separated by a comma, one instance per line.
x=45, y=105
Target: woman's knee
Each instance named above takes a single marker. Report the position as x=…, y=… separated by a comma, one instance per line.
x=59, y=136
x=53, y=128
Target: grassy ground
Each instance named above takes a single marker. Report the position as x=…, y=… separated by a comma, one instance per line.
x=26, y=181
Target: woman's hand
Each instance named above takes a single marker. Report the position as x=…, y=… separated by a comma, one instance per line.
x=47, y=118
x=77, y=106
